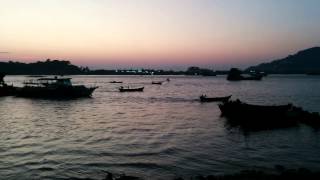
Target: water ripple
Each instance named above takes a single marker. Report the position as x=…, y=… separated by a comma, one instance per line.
x=159, y=133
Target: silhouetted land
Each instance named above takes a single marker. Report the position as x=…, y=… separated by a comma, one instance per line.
x=304, y=62
x=48, y=67
x=61, y=67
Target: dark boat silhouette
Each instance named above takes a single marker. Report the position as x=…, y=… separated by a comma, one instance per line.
x=5, y=89
x=313, y=73
x=204, y=98
x=259, y=117
x=128, y=89
x=157, y=82
x=54, y=88
x=116, y=82
x=235, y=75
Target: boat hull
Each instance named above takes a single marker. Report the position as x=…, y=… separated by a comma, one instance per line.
x=131, y=90
x=253, y=78
x=256, y=117
x=214, y=99
x=57, y=92
x=7, y=90
x=157, y=83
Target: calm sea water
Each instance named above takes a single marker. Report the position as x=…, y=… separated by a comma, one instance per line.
x=161, y=133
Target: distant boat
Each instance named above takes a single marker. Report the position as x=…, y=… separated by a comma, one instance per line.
x=252, y=77
x=235, y=75
x=123, y=89
x=54, y=88
x=157, y=82
x=204, y=98
x=119, y=82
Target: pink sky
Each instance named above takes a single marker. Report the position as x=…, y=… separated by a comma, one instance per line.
x=157, y=33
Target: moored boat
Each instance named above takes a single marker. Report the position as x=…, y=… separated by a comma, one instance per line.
x=54, y=88
x=236, y=75
x=5, y=89
x=128, y=89
x=157, y=82
x=204, y=98
x=260, y=117
x=116, y=82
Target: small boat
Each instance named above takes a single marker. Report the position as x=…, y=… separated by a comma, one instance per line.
x=261, y=117
x=313, y=73
x=204, y=98
x=54, y=88
x=116, y=82
x=5, y=89
x=157, y=82
x=241, y=109
x=123, y=89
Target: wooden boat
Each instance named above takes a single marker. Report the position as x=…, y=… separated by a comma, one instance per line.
x=122, y=89
x=5, y=89
x=259, y=117
x=116, y=82
x=313, y=73
x=54, y=88
x=240, y=109
x=157, y=82
x=204, y=98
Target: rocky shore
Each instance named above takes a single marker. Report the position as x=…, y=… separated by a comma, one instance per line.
x=279, y=173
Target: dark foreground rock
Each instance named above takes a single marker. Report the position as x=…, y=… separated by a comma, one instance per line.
x=280, y=172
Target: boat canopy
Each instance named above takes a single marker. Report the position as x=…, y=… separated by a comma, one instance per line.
x=50, y=81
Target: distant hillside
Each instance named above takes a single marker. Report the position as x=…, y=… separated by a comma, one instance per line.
x=48, y=67
x=306, y=61
x=58, y=67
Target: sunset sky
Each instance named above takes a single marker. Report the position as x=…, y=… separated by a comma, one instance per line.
x=157, y=33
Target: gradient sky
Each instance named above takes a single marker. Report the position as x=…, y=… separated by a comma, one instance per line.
x=157, y=33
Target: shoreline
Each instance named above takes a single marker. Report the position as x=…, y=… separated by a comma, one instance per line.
x=279, y=173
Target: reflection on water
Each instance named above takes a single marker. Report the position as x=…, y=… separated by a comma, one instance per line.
x=162, y=132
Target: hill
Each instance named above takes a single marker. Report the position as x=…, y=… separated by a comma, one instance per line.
x=61, y=67
x=48, y=67
x=303, y=62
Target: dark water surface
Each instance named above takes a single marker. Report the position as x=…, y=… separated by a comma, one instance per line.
x=160, y=133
